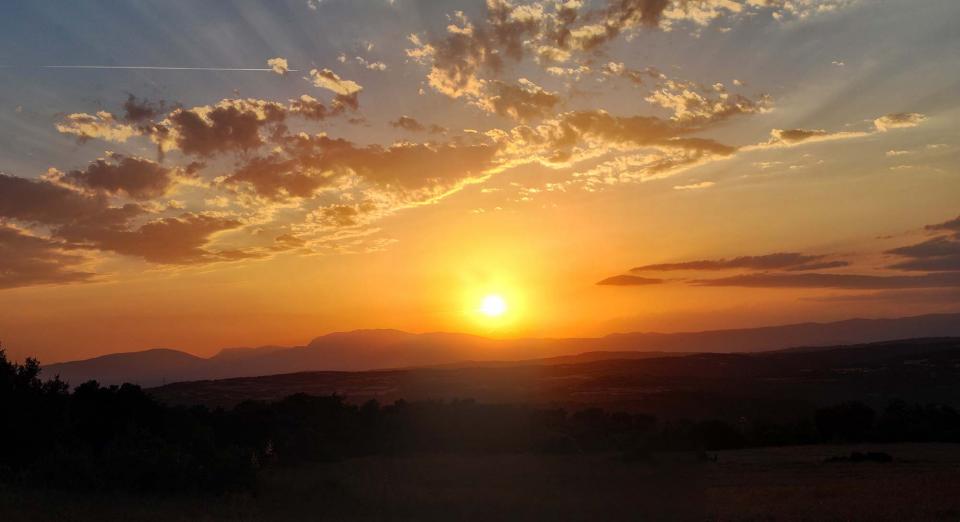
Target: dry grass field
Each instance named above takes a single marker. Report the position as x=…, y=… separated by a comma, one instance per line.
x=774, y=484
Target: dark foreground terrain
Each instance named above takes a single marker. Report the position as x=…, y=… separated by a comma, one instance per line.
x=868, y=432
x=789, y=483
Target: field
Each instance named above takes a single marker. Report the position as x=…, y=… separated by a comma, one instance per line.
x=792, y=483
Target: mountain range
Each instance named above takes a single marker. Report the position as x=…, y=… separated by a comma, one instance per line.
x=362, y=350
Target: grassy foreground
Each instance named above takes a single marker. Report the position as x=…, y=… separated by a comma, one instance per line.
x=794, y=483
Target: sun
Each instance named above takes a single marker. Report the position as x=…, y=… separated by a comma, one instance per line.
x=493, y=306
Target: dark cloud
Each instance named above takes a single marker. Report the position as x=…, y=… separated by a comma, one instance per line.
x=408, y=123
x=288, y=241
x=231, y=125
x=937, y=254
x=172, y=240
x=782, y=260
x=624, y=14
x=140, y=111
x=575, y=128
x=342, y=215
x=823, y=280
x=820, y=265
x=467, y=48
x=402, y=165
x=137, y=178
x=523, y=102
x=935, y=247
x=309, y=163
x=798, y=135
x=277, y=177
x=899, y=120
x=78, y=220
x=629, y=280
x=40, y=201
x=413, y=166
x=311, y=108
x=952, y=225
x=346, y=91
x=552, y=31
x=27, y=260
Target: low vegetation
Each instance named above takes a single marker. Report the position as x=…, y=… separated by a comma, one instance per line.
x=119, y=438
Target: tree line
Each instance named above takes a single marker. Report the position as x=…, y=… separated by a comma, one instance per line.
x=97, y=437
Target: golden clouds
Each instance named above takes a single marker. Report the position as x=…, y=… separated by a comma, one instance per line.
x=899, y=120
x=101, y=125
x=329, y=80
x=693, y=103
x=278, y=65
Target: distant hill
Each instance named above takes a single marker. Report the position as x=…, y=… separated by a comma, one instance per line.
x=377, y=349
x=782, y=384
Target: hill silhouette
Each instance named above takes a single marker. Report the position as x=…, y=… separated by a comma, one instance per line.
x=380, y=349
x=721, y=385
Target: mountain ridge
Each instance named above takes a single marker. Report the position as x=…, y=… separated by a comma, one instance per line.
x=372, y=349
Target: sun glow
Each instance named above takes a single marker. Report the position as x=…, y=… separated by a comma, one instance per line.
x=493, y=306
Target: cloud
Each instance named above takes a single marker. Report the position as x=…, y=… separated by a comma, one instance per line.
x=950, y=225
x=313, y=109
x=640, y=148
x=400, y=174
x=792, y=137
x=346, y=91
x=41, y=201
x=629, y=280
x=695, y=186
x=137, y=178
x=230, y=125
x=170, y=240
x=344, y=215
x=139, y=111
x=373, y=66
x=796, y=136
x=470, y=53
x=938, y=257
x=691, y=102
x=408, y=123
x=780, y=260
x=27, y=260
x=101, y=125
x=276, y=177
x=458, y=58
x=784, y=10
x=278, y=65
x=940, y=253
x=523, y=102
x=824, y=280
x=329, y=80
x=636, y=76
x=84, y=220
x=900, y=120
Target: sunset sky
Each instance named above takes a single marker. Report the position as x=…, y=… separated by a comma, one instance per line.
x=199, y=175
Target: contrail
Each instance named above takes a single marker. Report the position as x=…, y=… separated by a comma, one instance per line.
x=158, y=68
